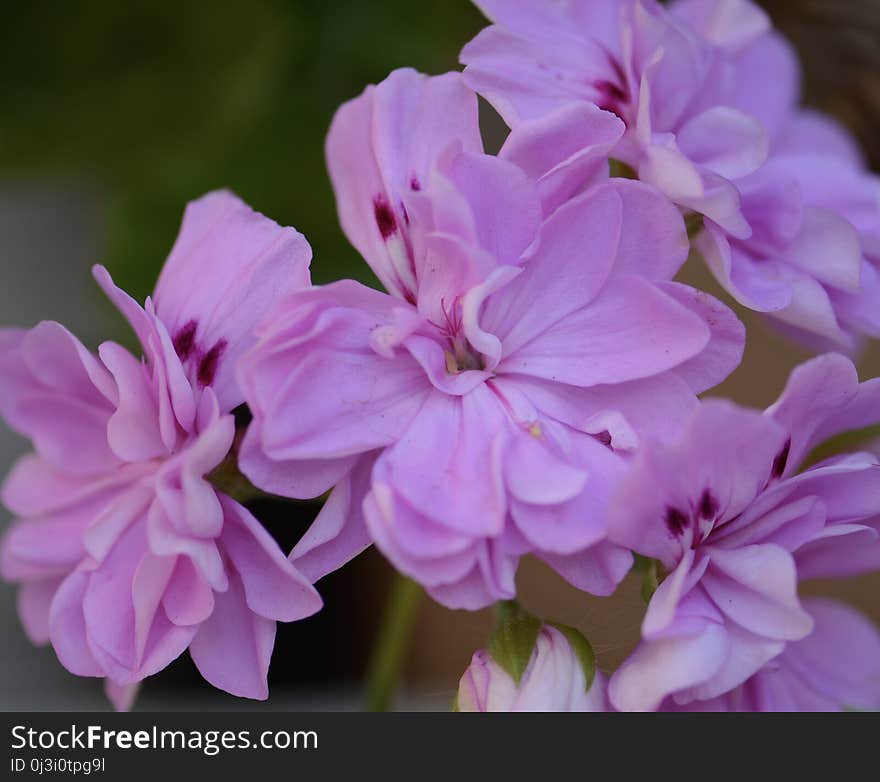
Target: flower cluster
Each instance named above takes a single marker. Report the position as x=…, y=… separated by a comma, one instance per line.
x=527, y=383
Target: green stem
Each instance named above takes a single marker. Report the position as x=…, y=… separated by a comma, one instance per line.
x=392, y=643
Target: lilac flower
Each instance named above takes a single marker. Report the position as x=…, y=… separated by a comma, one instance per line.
x=412, y=134
x=791, y=216
x=554, y=679
x=476, y=414
x=669, y=84
x=836, y=667
x=734, y=525
x=812, y=259
x=125, y=553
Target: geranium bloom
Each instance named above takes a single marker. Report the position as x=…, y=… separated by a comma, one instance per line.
x=475, y=415
x=812, y=258
x=689, y=81
x=836, y=667
x=685, y=130
x=555, y=679
x=734, y=525
x=126, y=553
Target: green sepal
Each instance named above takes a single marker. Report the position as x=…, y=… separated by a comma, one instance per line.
x=621, y=170
x=694, y=224
x=646, y=569
x=582, y=649
x=513, y=640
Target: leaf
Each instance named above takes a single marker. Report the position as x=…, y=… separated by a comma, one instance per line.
x=513, y=641
x=582, y=649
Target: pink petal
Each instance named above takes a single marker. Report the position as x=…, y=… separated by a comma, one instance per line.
x=564, y=152
x=571, y=516
x=188, y=599
x=771, y=101
x=127, y=629
x=318, y=389
x=597, y=570
x=502, y=200
x=447, y=463
x=756, y=587
x=752, y=283
x=574, y=256
x=748, y=654
x=122, y=696
x=725, y=141
x=38, y=548
x=233, y=647
x=653, y=239
x=666, y=665
x=810, y=310
x=813, y=133
x=657, y=406
x=631, y=330
x=827, y=248
x=675, y=476
x=133, y=430
x=418, y=546
x=726, y=344
x=339, y=532
x=273, y=587
x=34, y=602
x=726, y=23
x=814, y=404
x=840, y=659
x=381, y=147
x=211, y=317
x=67, y=627
x=504, y=68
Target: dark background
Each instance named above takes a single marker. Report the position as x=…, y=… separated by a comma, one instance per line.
x=113, y=115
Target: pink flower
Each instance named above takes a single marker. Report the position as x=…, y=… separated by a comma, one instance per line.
x=735, y=526
x=125, y=552
x=554, y=680
x=667, y=81
x=811, y=262
x=790, y=213
x=476, y=414
x=835, y=668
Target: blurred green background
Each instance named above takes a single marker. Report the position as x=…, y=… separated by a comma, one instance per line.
x=157, y=103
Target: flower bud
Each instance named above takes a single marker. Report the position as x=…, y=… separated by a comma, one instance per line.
x=532, y=667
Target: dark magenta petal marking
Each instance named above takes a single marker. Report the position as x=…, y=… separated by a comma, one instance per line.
x=781, y=460
x=185, y=340
x=207, y=370
x=385, y=219
x=603, y=437
x=708, y=505
x=415, y=184
x=676, y=521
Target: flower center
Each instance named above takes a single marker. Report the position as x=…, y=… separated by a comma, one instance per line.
x=698, y=520
x=461, y=357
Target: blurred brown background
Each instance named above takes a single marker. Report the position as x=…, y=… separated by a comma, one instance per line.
x=115, y=114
